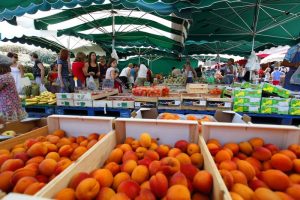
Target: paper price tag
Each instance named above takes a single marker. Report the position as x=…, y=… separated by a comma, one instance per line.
x=227, y=104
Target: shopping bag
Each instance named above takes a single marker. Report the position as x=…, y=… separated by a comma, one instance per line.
x=295, y=79
x=91, y=85
x=42, y=88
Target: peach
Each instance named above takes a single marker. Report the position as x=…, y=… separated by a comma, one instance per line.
x=256, y=183
x=275, y=179
x=294, y=191
x=229, y=151
x=178, y=192
x=203, y=182
x=272, y=147
x=129, y=155
x=62, y=165
x=65, y=151
x=244, y=191
x=227, y=178
x=264, y=193
x=18, y=150
x=37, y=149
x=53, y=155
x=33, y=166
x=4, y=157
x=51, y=147
x=262, y=153
x=22, y=172
x=197, y=160
x=91, y=144
x=198, y=196
x=159, y=184
x=119, y=178
x=79, y=151
x=128, y=166
x=284, y=196
x=151, y=154
x=213, y=148
x=246, y=168
x=135, y=144
x=295, y=178
x=77, y=178
x=12, y=165
x=281, y=162
x=113, y=167
x=222, y=155
x=125, y=147
x=93, y=136
x=295, y=148
x=233, y=147
x=178, y=179
x=42, y=178
x=87, y=189
x=214, y=141
x=266, y=165
x=62, y=142
x=193, y=148
x=239, y=177
x=140, y=151
x=145, y=140
x=23, y=183
x=37, y=159
x=120, y=196
x=59, y=133
x=246, y=148
x=65, y=194
x=174, y=152
x=5, y=181
x=289, y=154
x=183, y=158
x=145, y=194
x=28, y=143
x=146, y=185
x=163, y=150
x=228, y=165
x=104, y=177
x=53, y=139
x=47, y=167
x=154, y=167
x=189, y=170
x=140, y=174
x=130, y=188
x=4, y=151
x=296, y=165
x=80, y=139
x=153, y=146
x=235, y=196
x=34, y=188
x=255, y=163
x=23, y=156
x=182, y=145
x=105, y=193
x=256, y=142
x=242, y=156
x=169, y=165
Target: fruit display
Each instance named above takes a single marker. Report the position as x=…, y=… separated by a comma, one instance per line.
x=29, y=166
x=157, y=91
x=256, y=170
x=215, y=91
x=45, y=98
x=175, y=81
x=143, y=169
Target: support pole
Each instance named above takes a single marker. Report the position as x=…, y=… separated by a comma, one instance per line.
x=113, y=30
x=139, y=55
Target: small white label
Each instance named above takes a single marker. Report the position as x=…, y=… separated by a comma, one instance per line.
x=202, y=103
x=252, y=108
x=286, y=104
x=255, y=99
x=283, y=109
x=227, y=104
x=177, y=103
x=137, y=104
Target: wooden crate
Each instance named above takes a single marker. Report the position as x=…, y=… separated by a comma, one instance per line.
x=282, y=136
x=172, y=131
x=197, y=88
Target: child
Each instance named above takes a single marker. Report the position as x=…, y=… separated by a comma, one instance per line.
x=10, y=104
x=276, y=74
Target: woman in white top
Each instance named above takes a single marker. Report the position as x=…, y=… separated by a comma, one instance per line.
x=17, y=70
x=267, y=75
x=142, y=75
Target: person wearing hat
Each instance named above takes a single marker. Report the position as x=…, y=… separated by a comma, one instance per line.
x=125, y=75
x=229, y=71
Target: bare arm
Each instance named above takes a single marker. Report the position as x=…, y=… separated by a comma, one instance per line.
x=59, y=67
x=69, y=66
x=42, y=68
x=21, y=70
x=85, y=69
x=98, y=73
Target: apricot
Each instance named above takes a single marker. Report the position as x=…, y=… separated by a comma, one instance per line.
x=213, y=148
x=159, y=184
x=281, y=162
x=4, y=157
x=129, y=155
x=145, y=161
x=178, y=179
x=77, y=178
x=163, y=150
x=135, y=144
x=272, y=147
x=152, y=155
x=296, y=165
x=174, y=152
x=266, y=165
x=233, y=147
x=256, y=183
x=246, y=168
x=178, y=192
x=51, y=147
x=239, y=177
x=242, y=156
x=53, y=155
x=262, y=153
x=37, y=159
x=203, y=181
x=227, y=178
x=284, y=196
x=22, y=172
x=128, y=166
x=12, y=165
x=145, y=140
x=65, y=151
x=130, y=188
x=246, y=148
x=228, y=165
x=87, y=189
x=62, y=142
x=52, y=139
x=42, y=178
x=295, y=148
x=140, y=151
x=289, y=154
x=189, y=170
x=104, y=177
x=276, y=179
x=113, y=167
x=120, y=196
x=295, y=178
x=93, y=136
x=34, y=188
x=91, y=144
x=244, y=191
x=193, y=148
x=169, y=165
x=183, y=158
x=264, y=193
x=119, y=178
x=255, y=163
x=140, y=174
x=154, y=167
x=62, y=165
x=145, y=194
x=235, y=196
x=182, y=145
x=222, y=155
x=5, y=181
x=65, y=194
x=18, y=150
x=197, y=160
x=4, y=151
x=59, y=133
x=37, y=149
x=79, y=151
x=105, y=193
x=47, y=167
x=80, y=139
x=23, y=183
x=256, y=142
x=294, y=191
x=214, y=141
x=198, y=196
x=125, y=147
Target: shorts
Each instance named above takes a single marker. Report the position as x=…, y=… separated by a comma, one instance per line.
x=276, y=82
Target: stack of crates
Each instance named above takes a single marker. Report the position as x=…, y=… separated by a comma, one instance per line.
x=247, y=100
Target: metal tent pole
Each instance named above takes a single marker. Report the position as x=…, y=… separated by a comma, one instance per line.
x=113, y=29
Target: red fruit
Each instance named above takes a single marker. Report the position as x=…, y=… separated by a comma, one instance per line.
x=182, y=145
x=189, y=170
x=130, y=188
x=159, y=184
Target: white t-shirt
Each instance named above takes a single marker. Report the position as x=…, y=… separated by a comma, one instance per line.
x=142, y=73
x=125, y=72
x=108, y=73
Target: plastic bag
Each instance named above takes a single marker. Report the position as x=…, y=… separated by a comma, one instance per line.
x=295, y=79
x=253, y=62
x=91, y=85
x=115, y=55
x=42, y=88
